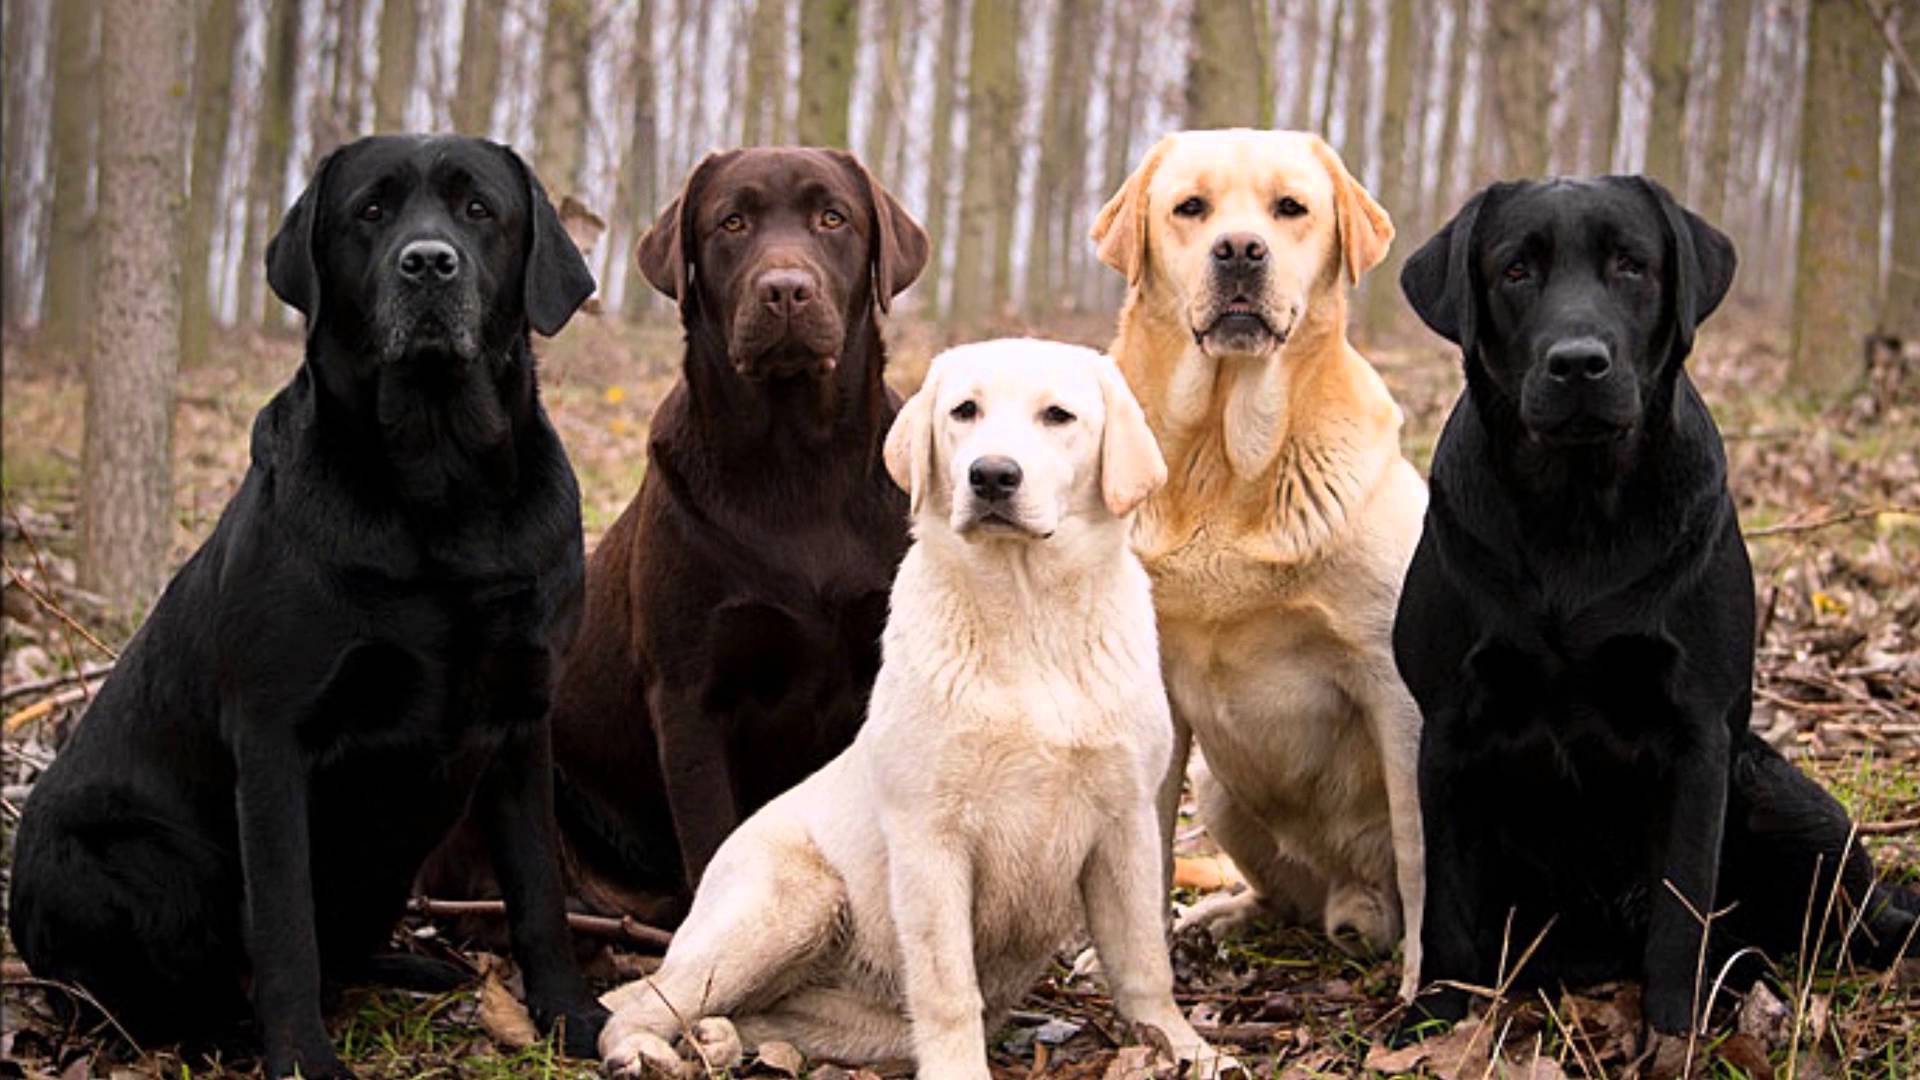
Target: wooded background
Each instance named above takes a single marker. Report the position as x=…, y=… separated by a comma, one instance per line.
x=152, y=145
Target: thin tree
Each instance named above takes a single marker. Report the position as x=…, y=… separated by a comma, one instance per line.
x=479, y=79
x=393, y=83
x=22, y=99
x=1614, y=43
x=638, y=197
x=76, y=107
x=1900, y=313
x=1672, y=67
x=213, y=105
x=560, y=152
x=1837, y=273
x=1325, y=125
x=1736, y=17
x=827, y=40
x=889, y=86
x=940, y=153
x=1522, y=84
x=273, y=142
x=126, y=492
x=1359, y=76
x=766, y=74
x=1382, y=304
x=1306, y=58
x=1229, y=81
x=1459, y=43
x=1124, y=106
x=982, y=265
x=1051, y=197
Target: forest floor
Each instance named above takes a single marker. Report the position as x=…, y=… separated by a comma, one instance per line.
x=1827, y=497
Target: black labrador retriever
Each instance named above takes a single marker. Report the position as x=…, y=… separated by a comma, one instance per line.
x=362, y=649
x=1578, y=620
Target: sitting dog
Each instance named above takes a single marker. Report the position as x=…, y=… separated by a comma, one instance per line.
x=903, y=898
x=361, y=650
x=1578, y=623
x=733, y=612
x=1278, y=547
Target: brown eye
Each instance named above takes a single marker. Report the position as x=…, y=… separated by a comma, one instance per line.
x=478, y=211
x=1288, y=206
x=371, y=212
x=1516, y=272
x=832, y=219
x=1194, y=206
x=1055, y=416
x=734, y=223
x=1627, y=266
x=966, y=410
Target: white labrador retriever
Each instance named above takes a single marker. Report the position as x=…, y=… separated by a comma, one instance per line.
x=901, y=900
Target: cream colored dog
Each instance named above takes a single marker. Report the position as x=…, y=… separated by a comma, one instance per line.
x=904, y=898
x=1278, y=548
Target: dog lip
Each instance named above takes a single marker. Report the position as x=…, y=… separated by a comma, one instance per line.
x=994, y=522
x=1239, y=309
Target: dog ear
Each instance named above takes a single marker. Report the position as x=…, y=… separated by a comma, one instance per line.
x=909, y=449
x=1131, y=467
x=900, y=246
x=1702, y=262
x=665, y=253
x=1364, y=229
x=1438, y=278
x=293, y=272
x=1120, y=230
x=557, y=278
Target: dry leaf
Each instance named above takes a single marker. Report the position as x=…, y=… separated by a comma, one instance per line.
x=1130, y=1063
x=503, y=1017
x=1764, y=1017
x=780, y=1057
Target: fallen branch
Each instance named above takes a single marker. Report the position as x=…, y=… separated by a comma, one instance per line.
x=53, y=682
x=1855, y=514
x=45, y=706
x=1888, y=828
x=623, y=928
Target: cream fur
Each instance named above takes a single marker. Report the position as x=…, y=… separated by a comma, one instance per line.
x=901, y=900
x=1279, y=544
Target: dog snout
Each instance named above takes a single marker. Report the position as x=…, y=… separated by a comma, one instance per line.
x=994, y=478
x=429, y=261
x=786, y=291
x=1579, y=359
x=1239, y=251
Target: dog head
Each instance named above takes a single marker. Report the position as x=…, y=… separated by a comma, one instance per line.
x=780, y=252
x=1238, y=231
x=426, y=250
x=1017, y=439
x=1573, y=301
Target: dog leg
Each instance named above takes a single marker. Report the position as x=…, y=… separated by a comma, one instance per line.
x=1280, y=887
x=693, y=760
x=1167, y=800
x=1396, y=729
x=930, y=892
x=1124, y=917
x=1687, y=875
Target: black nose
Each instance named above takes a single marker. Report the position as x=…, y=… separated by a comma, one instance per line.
x=1580, y=358
x=428, y=261
x=994, y=478
x=785, y=292
x=1239, y=249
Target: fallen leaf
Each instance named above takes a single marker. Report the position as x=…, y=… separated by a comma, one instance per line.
x=1131, y=1063
x=1764, y=1017
x=503, y=1017
x=1748, y=1054
x=780, y=1057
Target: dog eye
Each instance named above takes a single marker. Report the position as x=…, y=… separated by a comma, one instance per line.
x=1516, y=271
x=832, y=219
x=478, y=211
x=371, y=212
x=1288, y=207
x=734, y=223
x=966, y=410
x=1193, y=207
x=1055, y=416
x=1627, y=266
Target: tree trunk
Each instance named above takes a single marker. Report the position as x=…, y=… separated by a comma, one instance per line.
x=1671, y=66
x=560, y=152
x=336, y=99
x=1359, y=76
x=1383, y=293
x=1325, y=126
x=1306, y=58
x=479, y=82
x=1900, y=317
x=940, y=153
x=76, y=111
x=393, y=83
x=213, y=105
x=1228, y=74
x=1440, y=199
x=126, y=466
x=1837, y=275
x=1070, y=246
x=1052, y=195
x=827, y=40
x=25, y=36
x=906, y=61
x=273, y=141
x=1522, y=84
x=1735, y=21
x=1615, y=39
x=889, y=86
x=766, y=74
x=981, y=266
x=639, y=196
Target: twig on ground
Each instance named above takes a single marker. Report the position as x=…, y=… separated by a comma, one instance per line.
x=1856, y=514
x=52, y=608
x=53, y=682
x=623, y=928
x=45, y=707
x=1888, y=828
x=69, y=622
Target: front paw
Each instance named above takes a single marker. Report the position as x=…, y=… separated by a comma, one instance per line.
x=633, y=1054
x=1427, y=1015
x=1662, y=1056
x=316, y=1062
x=578, y=1025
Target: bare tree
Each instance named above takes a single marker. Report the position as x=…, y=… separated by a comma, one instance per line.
x=23, y=38
x=1522, y=85
x=1614, y=42
x=1062, y=148
x=946, y=74
x=1229, y=81
x=1306, y=58
x=560, y=152
x=272, y=144
x=1736, y=17
x=1359, y=76
x=479, y=80
x=126, y=493
x=982, y=265
x=639, y=189
x=393, y=83
x=76, y=106
x=1383, y=295
x=213, y=104
x=1440, y=197
x=1837, y=277
x=827, y=37
x=1672, y=68
x=1900, y=313
x=1325, y=125
x=766, y=74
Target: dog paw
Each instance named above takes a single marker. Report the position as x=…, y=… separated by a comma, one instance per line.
x=579, y=1027
x=715, y=1043
x=309, y=1065
x=634, y=1055
x=1362, y=920
x=1223, y=915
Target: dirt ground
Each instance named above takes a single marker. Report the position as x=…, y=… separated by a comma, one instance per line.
x=1830, y=499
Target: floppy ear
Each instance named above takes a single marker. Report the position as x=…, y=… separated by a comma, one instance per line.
x=899, y=243
x=909, y=449
x=1702, y=264
x=1131, y=467
x=1438, y=278
x=292, y=271
x=665, y=254
x=1363, y=226
x=557, y=278
x=1119, y=232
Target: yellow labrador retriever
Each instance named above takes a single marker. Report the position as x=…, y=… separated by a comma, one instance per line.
x=902, y=899
x=1278, y=546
